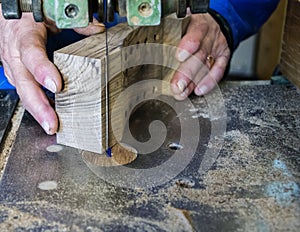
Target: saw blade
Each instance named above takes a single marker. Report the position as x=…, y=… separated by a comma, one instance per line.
x=107, y=108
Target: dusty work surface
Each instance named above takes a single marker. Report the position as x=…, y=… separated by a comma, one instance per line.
x=252, y=186
x=8, y=102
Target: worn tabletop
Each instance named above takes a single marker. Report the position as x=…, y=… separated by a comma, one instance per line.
x=252, y=183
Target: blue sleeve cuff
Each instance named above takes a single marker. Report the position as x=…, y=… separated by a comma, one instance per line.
x=244, y=17
x=4, y=84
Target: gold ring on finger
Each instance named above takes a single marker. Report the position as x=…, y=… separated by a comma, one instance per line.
x=211, y=60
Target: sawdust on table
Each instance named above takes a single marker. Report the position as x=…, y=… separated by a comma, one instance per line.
x=11, y=136
x=16, y=219
x=121, y=155
x=244, y=182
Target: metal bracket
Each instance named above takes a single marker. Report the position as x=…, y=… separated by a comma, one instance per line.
x=143, y=12
x=78, y=13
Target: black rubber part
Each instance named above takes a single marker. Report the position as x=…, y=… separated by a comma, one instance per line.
x=37, y=10
x=181, y=8
x=101, y=12
x=11, y=9
x=199, y=6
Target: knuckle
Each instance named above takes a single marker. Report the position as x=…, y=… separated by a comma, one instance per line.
x=6, y=55
x=186, y=72
x=39, y=72
x=28, y=50
x=202, y=54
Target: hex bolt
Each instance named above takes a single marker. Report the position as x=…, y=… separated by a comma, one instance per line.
x=71, y=10
x=145, y=9
x=11, y=9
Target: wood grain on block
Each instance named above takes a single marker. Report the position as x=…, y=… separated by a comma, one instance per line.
x=81, y=104
x=290, y=57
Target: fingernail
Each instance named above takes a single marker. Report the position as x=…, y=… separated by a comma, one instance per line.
x=50, y=84
x=183, y=55
x=202, y=90
x=46, y=127
x=99, y=24
x=185, y=93
x=181, y=85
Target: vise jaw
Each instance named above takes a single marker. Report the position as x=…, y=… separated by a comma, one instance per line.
x=78, y=13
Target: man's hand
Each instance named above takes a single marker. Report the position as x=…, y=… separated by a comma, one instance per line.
x=204, y=55
x=26, y=65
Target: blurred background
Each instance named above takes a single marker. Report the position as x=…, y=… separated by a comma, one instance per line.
x=258, y=56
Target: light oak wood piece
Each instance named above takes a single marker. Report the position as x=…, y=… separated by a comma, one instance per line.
x=81, y=104
x=290, y=57
x=269, y=43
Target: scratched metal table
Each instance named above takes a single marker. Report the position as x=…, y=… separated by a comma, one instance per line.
x=252, y=186
x=8, y=103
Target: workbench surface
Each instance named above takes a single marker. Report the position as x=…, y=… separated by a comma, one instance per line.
x=252, y=186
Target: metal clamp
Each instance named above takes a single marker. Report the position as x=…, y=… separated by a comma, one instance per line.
x=78, y=13
x=198, y=6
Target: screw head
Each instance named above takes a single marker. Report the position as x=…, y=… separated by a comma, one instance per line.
x=71, y=10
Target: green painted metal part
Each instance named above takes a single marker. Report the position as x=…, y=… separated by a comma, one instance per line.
x=67, y=13
x=143, y=12
x=75, y=13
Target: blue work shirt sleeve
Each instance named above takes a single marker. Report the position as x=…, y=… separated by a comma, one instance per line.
x=244, y=17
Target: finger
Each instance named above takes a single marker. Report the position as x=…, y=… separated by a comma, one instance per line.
x=38, y=106
x=193, y=69
x=33, y=56
x=217, y=66
x=191, y=86
x=186, y=73
x=190, y=42
x=185, y=93
x=203, y=71
x=213, y=77
x=34, y=99
x=198, y=41
x=93, y=28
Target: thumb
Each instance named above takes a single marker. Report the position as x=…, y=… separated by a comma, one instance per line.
x=93, y=28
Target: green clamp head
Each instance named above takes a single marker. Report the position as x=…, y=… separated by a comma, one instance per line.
x=143, y=12
x=67, y=13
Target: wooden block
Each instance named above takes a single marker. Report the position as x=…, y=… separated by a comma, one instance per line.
x=81, y=105
x=290, y=56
